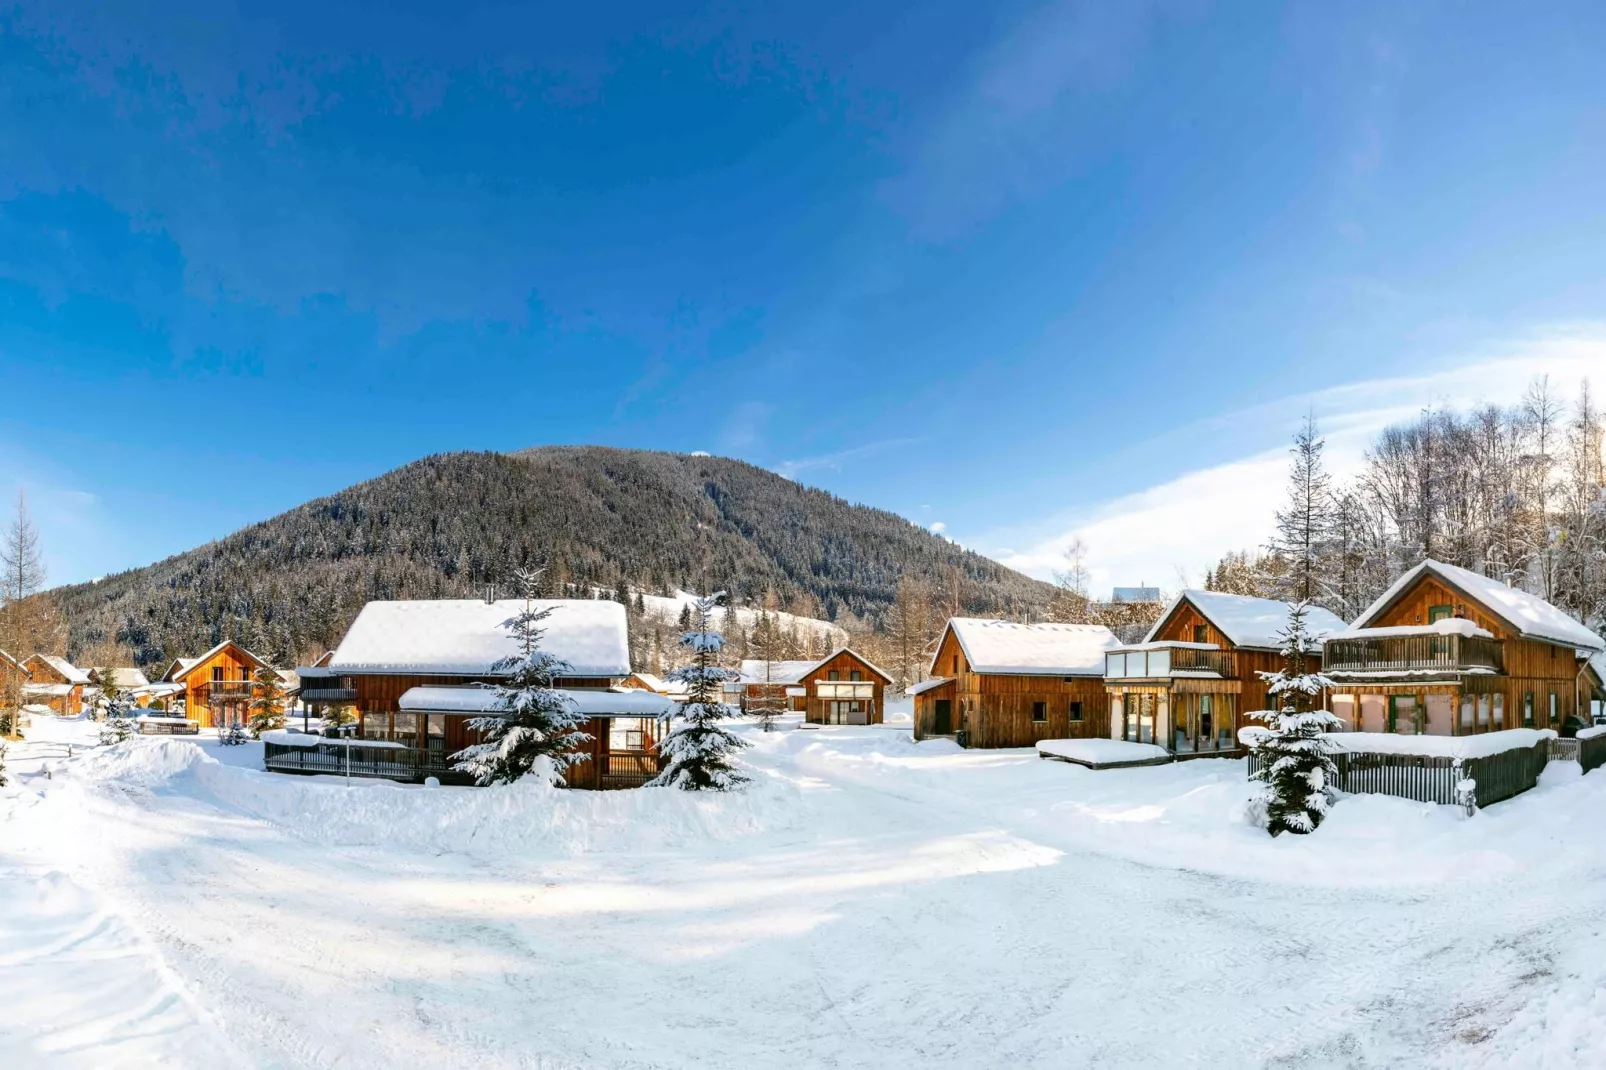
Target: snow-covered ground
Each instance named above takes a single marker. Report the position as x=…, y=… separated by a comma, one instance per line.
x=869, y=902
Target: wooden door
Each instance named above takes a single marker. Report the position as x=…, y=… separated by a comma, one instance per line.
x=942, y=717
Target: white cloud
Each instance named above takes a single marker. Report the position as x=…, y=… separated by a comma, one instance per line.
x=1173, y=531
x=791, y=469
x=938, y=527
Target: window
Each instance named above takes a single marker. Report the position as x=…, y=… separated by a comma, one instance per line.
x=853, y=674
x=956, y=665
x=404, y=728
x=1201, y=634
x=629, y=733
x=833, y=675
x=1039, y=711
x=1499, y=711
x=217, y=674
x=1076, y=711
x=1553, y=717
x=1438, y=613
x=375, y=726
x=1467, y=704
x=1527, y=709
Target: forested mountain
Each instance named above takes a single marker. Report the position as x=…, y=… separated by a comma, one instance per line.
x=450, y=525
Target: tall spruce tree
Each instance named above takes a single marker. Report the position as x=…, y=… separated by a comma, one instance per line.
x=535, y=724
x=698, y=753
x=767, y=642
x=1295, y=764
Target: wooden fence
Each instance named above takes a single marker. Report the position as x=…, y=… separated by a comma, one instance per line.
x=1591, y=753
x=1435, y=780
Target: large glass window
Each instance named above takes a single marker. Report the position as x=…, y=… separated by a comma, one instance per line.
x=1499, y=711
x=404, y=728
x=629, y=733
x=376, y=726
x=827, y=690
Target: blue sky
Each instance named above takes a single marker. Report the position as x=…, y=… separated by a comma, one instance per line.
x=1020, y=269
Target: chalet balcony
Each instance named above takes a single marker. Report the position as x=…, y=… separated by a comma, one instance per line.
x=1384, y=655
x=1164, y=660
x=229, y=689
x=328, y=694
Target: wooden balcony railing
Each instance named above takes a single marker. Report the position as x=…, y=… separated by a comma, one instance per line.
x=1407, y=653
x=1221, y=662
x=1162, y=661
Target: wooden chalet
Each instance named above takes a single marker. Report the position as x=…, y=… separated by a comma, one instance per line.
x=997, y=683
x=217, y=687
x=646, y=681
x=415, y=673
x=1188, y=684
x=842, y=688
x=131, y=681
x=1446, y=651
x=55, y=682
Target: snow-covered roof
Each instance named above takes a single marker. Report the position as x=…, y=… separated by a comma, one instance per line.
x=791, y=672
x=1005, y=647
x=632, y=702
x=49, y=690
x=126, y=678
x=1597, y=665
x=780, y=672
x=1246, y=621
x=1530, y=615
x=179, y=667
x=185, y=669
x=1447, y=626
x=163, y=688
x=925, y=685
x=657, y=683
x=466, y=636
x=14, y=663
x=69, y=672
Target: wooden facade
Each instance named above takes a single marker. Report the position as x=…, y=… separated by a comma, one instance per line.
x=42, y=671
x=1538, y=684
x=219, y=685
x=1006, y=709
x=844, y=689
x=1195, y=705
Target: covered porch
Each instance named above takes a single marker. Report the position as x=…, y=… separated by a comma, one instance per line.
x=1181, y=696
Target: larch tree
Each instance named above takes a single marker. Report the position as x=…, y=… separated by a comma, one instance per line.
x=1304, y=532
x=1295, y=770
x=267, y=701
x=767, y=643
x=698, y=754
x=22, y=576
x=535, y=728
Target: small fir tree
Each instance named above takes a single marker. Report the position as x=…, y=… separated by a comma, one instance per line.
x=234, y=735
x=1296, y=767
x=109, y=698
x=116, y=728
x=698, y=753
x=535, y=721
x=267, y=701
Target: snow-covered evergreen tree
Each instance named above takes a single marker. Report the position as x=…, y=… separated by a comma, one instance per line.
x=697, y=753
x=535, y=721
x=116, y=727
x=109, y=698
x=267, y=701
x=1296, y=767
x=234, y=735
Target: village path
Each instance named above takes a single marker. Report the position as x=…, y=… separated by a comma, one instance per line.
x=924, y=908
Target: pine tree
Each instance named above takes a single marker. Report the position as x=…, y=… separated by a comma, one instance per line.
x=697, y=755
x=109, y=696
x=267, y=702
x=115, y=729
x=536, y=724
x=22, y=576
x=1295, y=766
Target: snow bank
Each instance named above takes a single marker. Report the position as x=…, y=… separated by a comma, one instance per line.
x=1592, y=732
x=1478, y=746
x=500, y=821
x=1101, y=752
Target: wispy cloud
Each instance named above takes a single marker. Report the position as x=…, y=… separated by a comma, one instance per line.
x=1182, y=526
x=835, y=461
x=744, y=428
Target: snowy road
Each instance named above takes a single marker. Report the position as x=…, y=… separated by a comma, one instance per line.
x=870, y=903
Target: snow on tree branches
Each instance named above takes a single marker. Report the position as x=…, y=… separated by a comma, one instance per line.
x=537, y=728
x=698, y=754
x=1295, y=764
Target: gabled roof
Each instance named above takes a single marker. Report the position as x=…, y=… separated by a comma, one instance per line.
x=1248, y=622
x=66, y=669
x=466, y=636
x=791, y=672
x=125, y=677
x=1527, y=614
x=178, y=666
x=185, y=670
x=7, y=659
x=1004, y=647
